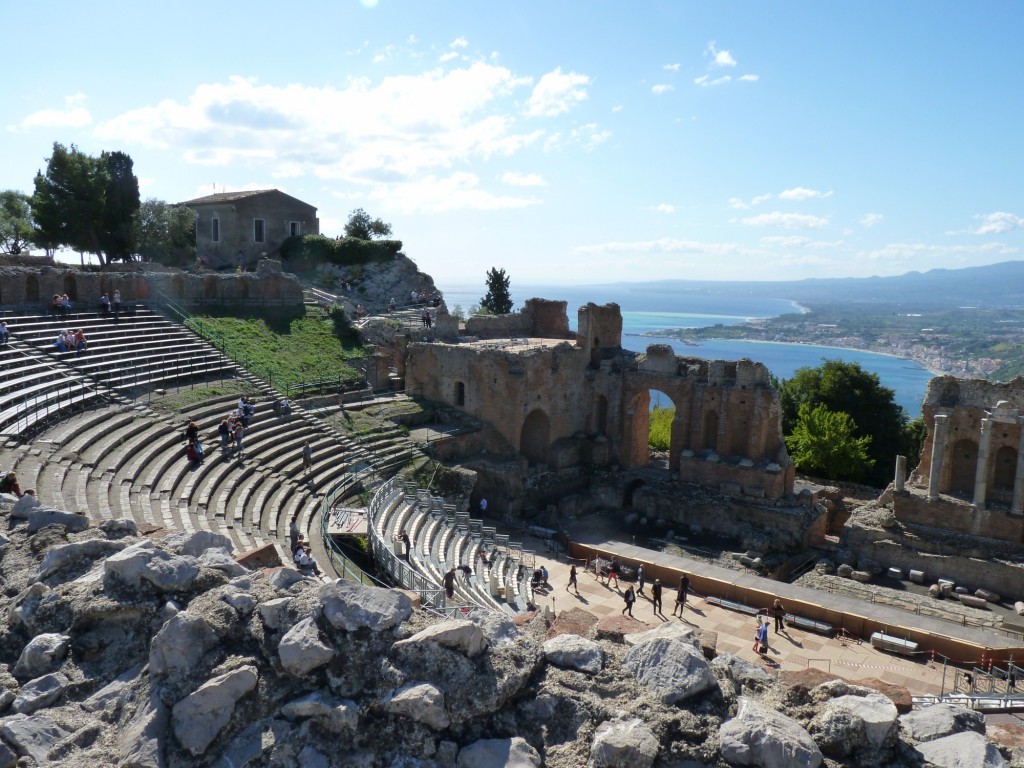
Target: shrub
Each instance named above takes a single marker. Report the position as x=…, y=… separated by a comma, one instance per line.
x=660, y=433
x=347, y=251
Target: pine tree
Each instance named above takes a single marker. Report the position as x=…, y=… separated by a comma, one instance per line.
x=498, y=300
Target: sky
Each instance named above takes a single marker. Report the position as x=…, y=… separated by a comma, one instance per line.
x=568, y=142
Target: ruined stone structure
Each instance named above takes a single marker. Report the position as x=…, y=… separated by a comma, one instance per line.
x=31, y=287
x=562, y=402
x=971, y=474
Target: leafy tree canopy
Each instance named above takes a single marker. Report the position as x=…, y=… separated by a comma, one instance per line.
x=360, y=225
x=164, y=234
x=498, y=300
x=824, y=443
x=847, y=388
x=15, y=222
x=86, y=203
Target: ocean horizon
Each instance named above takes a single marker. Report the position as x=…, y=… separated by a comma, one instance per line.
x=645, y=313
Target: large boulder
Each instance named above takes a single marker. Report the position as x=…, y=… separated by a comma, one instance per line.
x=762, y=737
x=32, y=735
x=195, y=544
x=669, y=629
x=274, y=612
x=499, y=753
x=334, y=714
x=39, y=693
x=939, y=720
x=142, y=741
x=575, y=652
x=623, y=744
x=743, y=673
x=43, y=654
x=854, y=723
x=142, y=561
x=672, y=669
x=78, y=553
x=351, y=606
x=463, y=637
x=301, y=649
x=40, y=517
x=421, y=702
x=221, y=560
x=200, y=716
x=962, y=750
x=180, y=644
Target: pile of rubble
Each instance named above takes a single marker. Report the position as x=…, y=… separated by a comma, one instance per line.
x=162, y=650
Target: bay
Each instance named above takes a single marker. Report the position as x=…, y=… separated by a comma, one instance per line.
x=645, y=313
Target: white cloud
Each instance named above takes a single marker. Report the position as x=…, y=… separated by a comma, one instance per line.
x=997, y=223
x=786, y=221
x=516, y=179
x=719, y=58
x=74, y=115
x=897, y=256
x=758, y=199
x=667, y=249
x=671, y=67
x=738, y=203
x=706, y=82
x=458, y=42
x=661, y=88
x=448, y=56
x=432, y=194
x=798, y=241
x=364, y=133
x=557, y=92
x=588, y=136
x=618, y=108
x=662, y=208
x=869, y=220
x=803, y=193
x=748, y=78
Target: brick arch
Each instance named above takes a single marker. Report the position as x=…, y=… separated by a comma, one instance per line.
x=535, y=436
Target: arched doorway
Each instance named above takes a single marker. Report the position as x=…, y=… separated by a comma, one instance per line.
x=629, y=492
x=963, y=466
x=71, y=287
x=460, y=393
x=1004, y=471
x=535, y=437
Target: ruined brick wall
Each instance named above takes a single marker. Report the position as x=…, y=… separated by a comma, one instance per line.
x=952, y=515
x=599, y=330
x=539, y=318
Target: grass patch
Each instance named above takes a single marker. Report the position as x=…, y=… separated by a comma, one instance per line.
x=660, y=433
x=187, y=398
x=286, y=349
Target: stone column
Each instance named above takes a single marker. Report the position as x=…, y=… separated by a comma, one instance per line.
x=981, y=474
x=901, y=474
x=938, y=450
x=1017, y=507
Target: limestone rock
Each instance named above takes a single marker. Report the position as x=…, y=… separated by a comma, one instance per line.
x=464, y=637
x=221, y=560
x=25, y=604
x=110, y=698
x=744, y=673
x=672, y=669
x=499, y=753
x=33, y=735
x=962, y=750
x=8, y=757
x=421, y=702
x=899, y=695
x=668, y=629
x=845, y=570
x=301, y=649
x=762, y=737
x=574, y=621
x=200, y=716
x=352, y=606
x=40, y=517
x=180, y=644
x=623, y=744
x=142, y=740
x=334, y=714
x=23, y=506
x=195, y=544
x=274, y=612
x=284, y=578
x=239, y=599
x=119, y=528
x=939, y=720
x=497, y=628
x=43, y=654
x=144, y=562
x=39, y=693
x=76, y=552
x=575, y=652
x=851, y=723
x=616, y=626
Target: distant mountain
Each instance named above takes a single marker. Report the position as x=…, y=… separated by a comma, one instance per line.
x=992, y=286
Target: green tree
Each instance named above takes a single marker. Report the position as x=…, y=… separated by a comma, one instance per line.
x=67, y=204
x=847, y=388
x=15, y=222
x=498, y=300
x=360, y=225
x=660, y=428
x=825, y=443
x=120, y=204
x=165, y=234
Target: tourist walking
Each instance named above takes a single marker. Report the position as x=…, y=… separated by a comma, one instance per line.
x=225, y=433
x=406, y=545
x=761, y=637
x=779, y=612
x=239, y=437
x=572, y=580
x=684, y=587
x=656, y=597
x=630, y=598
x=640, y=579
x=293, y=532
x=448, y=581
x=613, y=573
x=307, y=457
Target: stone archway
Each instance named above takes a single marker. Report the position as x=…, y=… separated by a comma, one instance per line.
x=963, y=466
x=71, y=286
x=535, y=437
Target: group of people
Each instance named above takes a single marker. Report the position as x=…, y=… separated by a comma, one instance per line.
x=68, y=341
x=61, y=305
x=194, y=451
x=302, y=552
x=107, y=304
x=426, y=317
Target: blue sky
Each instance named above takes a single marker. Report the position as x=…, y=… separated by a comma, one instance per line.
x=568, y=142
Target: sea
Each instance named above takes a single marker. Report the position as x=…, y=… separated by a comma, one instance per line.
x=647, y=312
